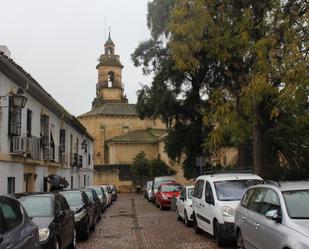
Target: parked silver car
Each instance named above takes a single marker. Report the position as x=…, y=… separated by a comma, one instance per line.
x=274, y=216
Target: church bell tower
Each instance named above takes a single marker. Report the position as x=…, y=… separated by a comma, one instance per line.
x=109, y=88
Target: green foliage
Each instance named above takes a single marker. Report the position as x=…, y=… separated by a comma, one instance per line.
x=229, y=73
x=160, y=168
x=141, y=165
x=143, y=169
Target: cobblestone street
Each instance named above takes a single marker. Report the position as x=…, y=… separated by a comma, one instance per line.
x=134, y=223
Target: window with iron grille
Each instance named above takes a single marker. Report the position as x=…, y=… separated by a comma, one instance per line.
x=29, y=123
x=11, y=185
x=44, y=130
x=14, y=119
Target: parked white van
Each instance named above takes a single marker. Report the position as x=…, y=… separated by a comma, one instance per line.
x=215, y=198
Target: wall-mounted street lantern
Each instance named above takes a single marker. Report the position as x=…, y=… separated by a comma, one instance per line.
x=18, y=99
x=84, y=145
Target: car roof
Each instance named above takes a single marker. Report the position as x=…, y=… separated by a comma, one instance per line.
x=229, y=176
x=189, y=186
x=287, y=186
x=40, y=194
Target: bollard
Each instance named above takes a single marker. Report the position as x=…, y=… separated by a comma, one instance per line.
x=173, y=203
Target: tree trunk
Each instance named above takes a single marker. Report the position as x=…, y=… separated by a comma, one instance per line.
x=244, y=156
x=258, y=150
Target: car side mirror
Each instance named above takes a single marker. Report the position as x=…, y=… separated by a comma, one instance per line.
x=274, y=215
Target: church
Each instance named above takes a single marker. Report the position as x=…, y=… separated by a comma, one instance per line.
x=118, y=131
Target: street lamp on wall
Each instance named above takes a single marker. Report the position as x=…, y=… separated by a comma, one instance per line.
x=84, y=145
x=18, y=99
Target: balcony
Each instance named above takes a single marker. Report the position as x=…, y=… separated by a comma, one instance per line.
x=26, y=147
x=73, y=159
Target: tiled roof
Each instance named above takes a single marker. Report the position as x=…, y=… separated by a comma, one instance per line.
x=114, y=109
x=17, y=73
x=139, y=136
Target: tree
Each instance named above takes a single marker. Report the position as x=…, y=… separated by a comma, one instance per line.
x=259, y=80
x=160, y=168
x=140, y=168
x=175, y=95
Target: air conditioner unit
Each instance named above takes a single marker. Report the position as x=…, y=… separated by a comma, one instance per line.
x=48, y=153
x=18, y=144
x=28, y=145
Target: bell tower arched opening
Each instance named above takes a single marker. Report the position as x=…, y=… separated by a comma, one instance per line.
x=111, y=79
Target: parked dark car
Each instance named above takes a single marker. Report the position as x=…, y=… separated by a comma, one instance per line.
x=114, y=192
x=103, y=200
x=52, y=214
x=83, y=210
x=17, y=230
x=92, y=195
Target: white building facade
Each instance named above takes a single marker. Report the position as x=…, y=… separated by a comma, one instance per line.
x=40, y=139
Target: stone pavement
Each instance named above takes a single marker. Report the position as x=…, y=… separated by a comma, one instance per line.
x=134, y=223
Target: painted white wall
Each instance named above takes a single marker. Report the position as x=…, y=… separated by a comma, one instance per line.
x=11, y=170
x=56, y=123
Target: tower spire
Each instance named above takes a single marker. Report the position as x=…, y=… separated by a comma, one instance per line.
x=109, y=41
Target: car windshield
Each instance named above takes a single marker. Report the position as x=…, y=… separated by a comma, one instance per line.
x=297, y=202
x=73, y=198
x=170, y=188
x=98, y=190
x=190, y=193
x=233, y=190
x=89, y=194
x=37, y=206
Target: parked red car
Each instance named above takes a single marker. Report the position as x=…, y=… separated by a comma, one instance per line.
x=165, y=193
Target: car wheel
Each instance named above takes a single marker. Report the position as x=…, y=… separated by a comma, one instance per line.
x=197, y=230
x=73, y=242
x=218, y=234
x=187, y=222
x=240, y=240
x=177, y=214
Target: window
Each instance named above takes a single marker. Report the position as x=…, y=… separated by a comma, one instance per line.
x=110, y=79
x=198, y=189
x=62, y=141
x=72, y=186
x=246, y=198
x=29, y=123
x=11, y=214
x=271, y=202
x=208, y=192
x=256, y=200
x=14, y=119
x=85, y=181
x=183, y=193
x=44, y=130
x=11, y=185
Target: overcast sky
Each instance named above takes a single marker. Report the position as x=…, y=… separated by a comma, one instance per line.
x=59, y=42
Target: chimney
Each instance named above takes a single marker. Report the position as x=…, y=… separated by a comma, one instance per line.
x=5, y=50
